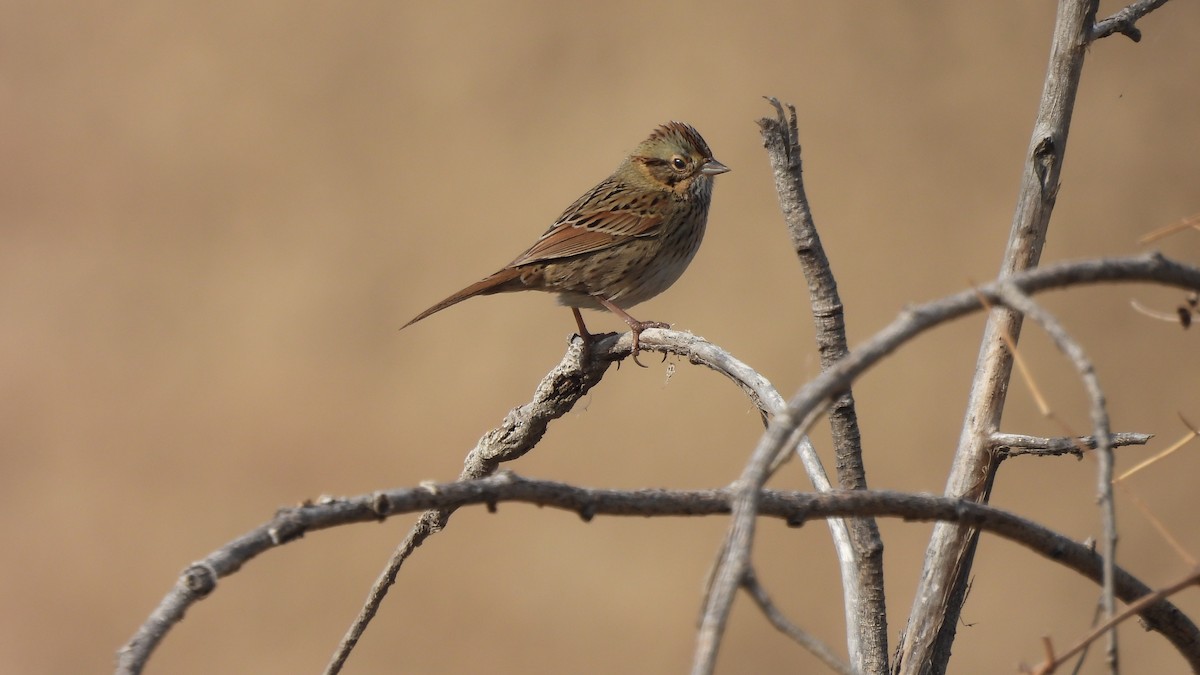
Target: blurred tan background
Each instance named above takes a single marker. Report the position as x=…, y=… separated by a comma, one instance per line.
x=216, y=214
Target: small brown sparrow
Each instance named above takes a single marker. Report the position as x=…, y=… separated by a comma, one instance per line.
x=625, y=240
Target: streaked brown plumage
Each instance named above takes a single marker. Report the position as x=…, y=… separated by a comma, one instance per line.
x=625, y=240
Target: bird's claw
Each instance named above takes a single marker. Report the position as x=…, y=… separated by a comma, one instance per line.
x=636, y=332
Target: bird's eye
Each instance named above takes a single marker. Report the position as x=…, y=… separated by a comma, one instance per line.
x=679, y=163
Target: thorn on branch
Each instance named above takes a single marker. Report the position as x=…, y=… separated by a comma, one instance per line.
x=587, y=512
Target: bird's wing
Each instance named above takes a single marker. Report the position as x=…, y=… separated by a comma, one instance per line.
x=606, y=216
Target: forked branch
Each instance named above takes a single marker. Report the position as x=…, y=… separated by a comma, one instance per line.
x=814, y=395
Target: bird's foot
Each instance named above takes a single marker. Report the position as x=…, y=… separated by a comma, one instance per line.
x=635, y=329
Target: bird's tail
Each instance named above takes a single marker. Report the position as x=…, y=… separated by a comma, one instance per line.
x=507, y=279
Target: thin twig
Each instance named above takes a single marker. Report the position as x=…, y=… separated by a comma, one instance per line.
x=1187, y=438
x=762, y=393
x=1015, y=445
x=1166, y=317
x=555, y=395
x=1124, y=21
x=798, y=635
x=1157, y=524
x=1078, y=668
x=1189, y=223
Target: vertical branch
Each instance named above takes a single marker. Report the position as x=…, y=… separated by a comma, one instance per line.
x=862, y=570
x=925, y=646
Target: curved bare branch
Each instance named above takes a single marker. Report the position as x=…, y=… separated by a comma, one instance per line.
x=793, y=508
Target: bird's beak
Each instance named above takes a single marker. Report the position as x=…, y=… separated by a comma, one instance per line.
x=712, y=167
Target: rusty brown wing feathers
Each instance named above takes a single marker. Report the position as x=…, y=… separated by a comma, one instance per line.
x=590, y=224
x=602, y=218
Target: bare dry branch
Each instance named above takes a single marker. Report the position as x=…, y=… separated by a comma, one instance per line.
x=861, y=562
x=1124, y=21
x=558, y=392
x=929, y=634
x=1015, y=445
x=794, y=508
x=813, y=396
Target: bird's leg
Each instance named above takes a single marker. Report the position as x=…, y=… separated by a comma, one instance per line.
x=635, y=327
x=583, y=332
x=589, y=339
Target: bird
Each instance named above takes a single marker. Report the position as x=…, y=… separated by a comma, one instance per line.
x=624, y=241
